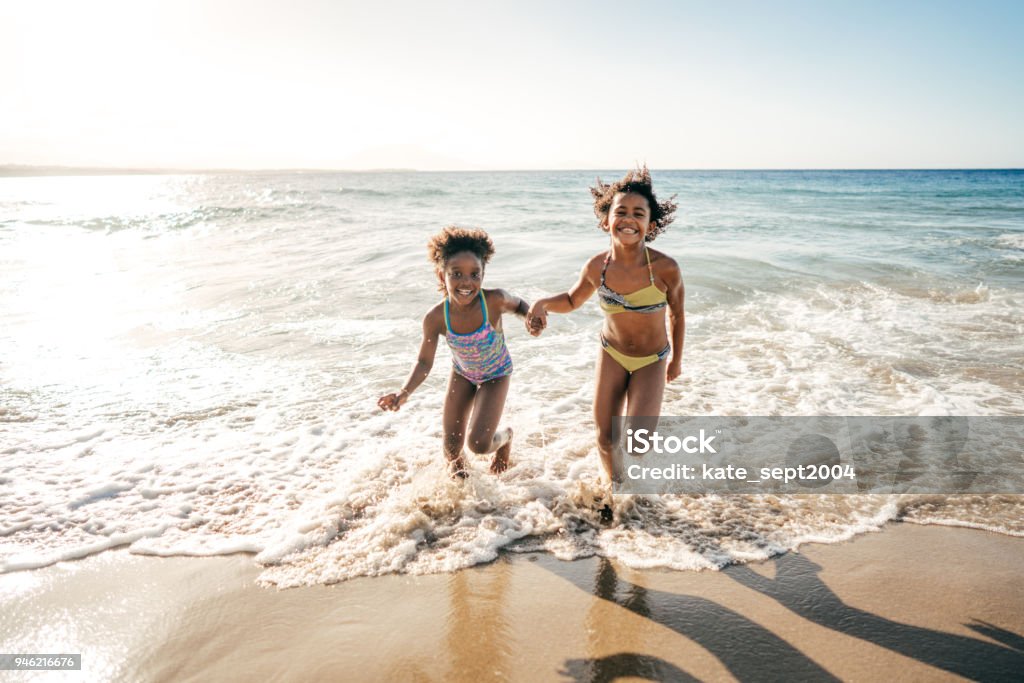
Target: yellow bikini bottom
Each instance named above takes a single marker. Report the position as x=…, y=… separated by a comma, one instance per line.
x=633, y=363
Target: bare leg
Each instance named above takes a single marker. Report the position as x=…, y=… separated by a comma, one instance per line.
x=484, y=435
x=609, y=397
x=457, y=404
x=644, y=395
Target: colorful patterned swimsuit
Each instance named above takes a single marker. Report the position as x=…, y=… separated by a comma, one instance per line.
x=479, y=356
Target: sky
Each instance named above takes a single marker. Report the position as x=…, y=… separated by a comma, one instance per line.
x=513, y=85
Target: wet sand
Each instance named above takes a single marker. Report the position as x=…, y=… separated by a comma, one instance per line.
x=909, y=603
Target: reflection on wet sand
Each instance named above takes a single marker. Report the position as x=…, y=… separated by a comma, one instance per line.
x=604, y=636
x=478, y=639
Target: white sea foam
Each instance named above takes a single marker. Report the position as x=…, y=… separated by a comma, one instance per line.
x=1014, y=240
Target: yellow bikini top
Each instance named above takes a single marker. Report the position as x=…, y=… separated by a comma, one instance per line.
x=646, y=300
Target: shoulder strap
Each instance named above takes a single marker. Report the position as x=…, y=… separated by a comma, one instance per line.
x=605, y=268
x=483, y=304
x=447, y=320
x=650, y=270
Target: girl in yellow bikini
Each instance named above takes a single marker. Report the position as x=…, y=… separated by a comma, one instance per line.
x=638, y=352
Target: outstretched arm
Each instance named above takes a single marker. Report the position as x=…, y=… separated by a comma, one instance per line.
x=565, y=302
x=676, y=319
x=510, y=303
x=433, y=326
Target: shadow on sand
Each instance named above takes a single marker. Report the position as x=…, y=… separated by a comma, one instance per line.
x=748, y=650
x=797, y=587
x=751, y=652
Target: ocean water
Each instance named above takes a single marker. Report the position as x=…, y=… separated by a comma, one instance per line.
x=189, y=364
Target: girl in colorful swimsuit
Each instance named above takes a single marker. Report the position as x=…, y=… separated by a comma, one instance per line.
x=469, y=318
x=635, y=285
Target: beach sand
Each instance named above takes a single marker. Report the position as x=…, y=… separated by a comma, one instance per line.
x=909, y=603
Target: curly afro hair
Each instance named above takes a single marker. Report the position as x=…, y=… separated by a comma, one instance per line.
x=637, y=181
x=453, y=240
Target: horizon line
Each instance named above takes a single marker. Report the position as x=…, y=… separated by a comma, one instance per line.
x=15, y=170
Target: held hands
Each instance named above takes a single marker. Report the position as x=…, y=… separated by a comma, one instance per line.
x=536, y=319
x=393, y=401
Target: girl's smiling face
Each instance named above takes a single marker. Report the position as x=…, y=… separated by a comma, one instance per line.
x=629, y=218
x=463, y=276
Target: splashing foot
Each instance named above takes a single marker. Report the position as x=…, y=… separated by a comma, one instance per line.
x=457, y=468
x=501, y=456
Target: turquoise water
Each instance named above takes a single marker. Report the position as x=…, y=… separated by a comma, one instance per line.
x=191, y=362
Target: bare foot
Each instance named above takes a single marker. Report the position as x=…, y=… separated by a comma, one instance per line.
x=457, y=468
x=500, y=462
